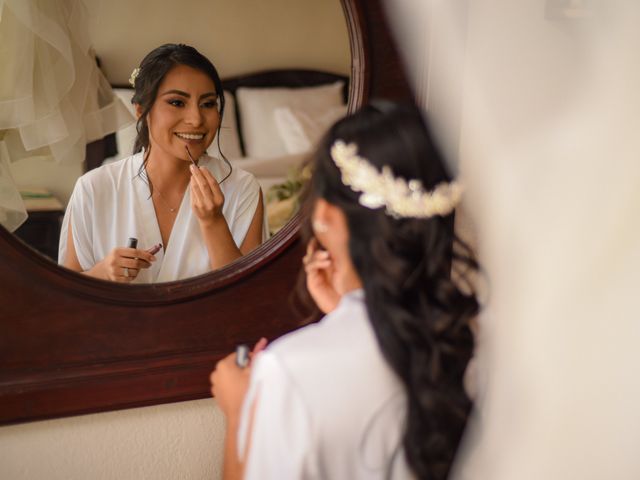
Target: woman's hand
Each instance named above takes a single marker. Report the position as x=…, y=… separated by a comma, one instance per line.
x=207, y=198
x=318, y=266
x=207, y=201
x=229, y=383
x=122, y=264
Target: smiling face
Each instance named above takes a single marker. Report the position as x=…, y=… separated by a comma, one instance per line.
x=184, y=113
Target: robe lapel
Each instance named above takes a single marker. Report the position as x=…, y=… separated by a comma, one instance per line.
x=178, y=241
x=148, y=231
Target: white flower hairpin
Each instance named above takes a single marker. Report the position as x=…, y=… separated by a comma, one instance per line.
x=134, y=75
x=381, y=189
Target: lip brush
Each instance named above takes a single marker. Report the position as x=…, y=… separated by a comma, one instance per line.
x=191, y=157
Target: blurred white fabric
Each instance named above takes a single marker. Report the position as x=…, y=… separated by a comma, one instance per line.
x=12, y=209
x=53, y=98
x=546, y=136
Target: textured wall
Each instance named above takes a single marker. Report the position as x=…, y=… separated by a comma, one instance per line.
x=238, y=36
x=175, y=441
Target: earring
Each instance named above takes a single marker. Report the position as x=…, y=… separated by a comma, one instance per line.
x=319, y=226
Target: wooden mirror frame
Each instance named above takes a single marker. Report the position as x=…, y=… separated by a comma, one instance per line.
x=71, y=344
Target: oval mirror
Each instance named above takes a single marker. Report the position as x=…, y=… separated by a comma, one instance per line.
x=280, y=96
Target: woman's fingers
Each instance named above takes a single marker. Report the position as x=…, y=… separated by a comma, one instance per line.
x=312, y=247
x=259, y=346
x=320, y=266
x=208, y=187
x=122, y=274
x=230, y=358
x=129, y=273
x=197, y=197
x=204, y=199
x=124, y=264
x=319, y=270
x=207, y=198
x=199, y=186
x=223, y=373
x=214, y=186
x=133, y=263
x=135, y=253
x=198, y=175
x=134, y=258
x=155, y=249
x=318, y=260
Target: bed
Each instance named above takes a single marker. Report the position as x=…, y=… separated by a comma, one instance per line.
x=272, y=120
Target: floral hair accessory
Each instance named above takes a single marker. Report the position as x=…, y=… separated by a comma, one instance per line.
x=400, y=198
x=134, y=75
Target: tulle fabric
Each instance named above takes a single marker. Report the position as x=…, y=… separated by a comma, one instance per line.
x=12, y=211
x=548, y=142
x=53, y=98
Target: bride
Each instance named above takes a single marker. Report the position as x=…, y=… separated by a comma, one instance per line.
x=190, y=213
x=375, y=389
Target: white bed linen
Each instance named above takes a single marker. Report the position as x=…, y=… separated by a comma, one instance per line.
x=301, y=129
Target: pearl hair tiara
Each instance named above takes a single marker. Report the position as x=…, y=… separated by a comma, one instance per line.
x=400, y=198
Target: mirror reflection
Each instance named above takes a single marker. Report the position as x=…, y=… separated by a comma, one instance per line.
x=248, y=129
x=192, y=213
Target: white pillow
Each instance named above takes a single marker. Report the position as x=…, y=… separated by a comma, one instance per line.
x=302, y=128
x=257, y=107
x=229, y=139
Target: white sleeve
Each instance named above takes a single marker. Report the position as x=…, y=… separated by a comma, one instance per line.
x=280, y=430
x=246, y=200
x=78, y=212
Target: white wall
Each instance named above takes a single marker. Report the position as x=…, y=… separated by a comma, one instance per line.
x=175, y=441
x=45, y=172
x=239, y=36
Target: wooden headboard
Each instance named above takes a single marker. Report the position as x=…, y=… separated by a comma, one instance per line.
x=291, y=78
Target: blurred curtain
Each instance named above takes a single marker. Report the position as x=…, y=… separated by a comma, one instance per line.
x=546, y=137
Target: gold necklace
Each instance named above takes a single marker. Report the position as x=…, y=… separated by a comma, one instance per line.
x=161, y=197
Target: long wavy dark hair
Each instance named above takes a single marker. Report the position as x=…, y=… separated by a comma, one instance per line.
x=419, y=315
x=153, y=68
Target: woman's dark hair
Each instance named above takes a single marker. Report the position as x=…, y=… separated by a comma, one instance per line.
x=419, y=315
x=153, y=69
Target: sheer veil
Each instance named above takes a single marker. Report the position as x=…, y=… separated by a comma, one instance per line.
x=53, y=98
x=545, y=135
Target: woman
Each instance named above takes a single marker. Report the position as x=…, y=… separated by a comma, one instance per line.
x=375, y=389
x=188, y=219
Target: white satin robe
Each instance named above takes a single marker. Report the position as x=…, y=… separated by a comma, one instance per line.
x=112, y=203
x=324, y=403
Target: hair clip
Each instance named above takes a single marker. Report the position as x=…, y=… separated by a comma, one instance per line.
x=134, y=75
